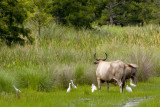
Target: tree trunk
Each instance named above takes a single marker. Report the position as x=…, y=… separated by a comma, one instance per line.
x=39, y=25
x=111, y=20
x=39, y=28
x=111, y=12
x=112, y=5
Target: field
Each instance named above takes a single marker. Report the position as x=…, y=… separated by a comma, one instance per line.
x=83, y=97
x=43, y=70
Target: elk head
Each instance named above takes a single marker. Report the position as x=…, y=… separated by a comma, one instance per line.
x=99, y=60
x=132, y=69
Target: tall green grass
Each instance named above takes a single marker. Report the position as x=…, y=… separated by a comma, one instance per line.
x=33, y=79
x=6, y=82
x=64, y=53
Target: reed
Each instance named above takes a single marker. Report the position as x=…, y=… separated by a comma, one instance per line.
x=65, y=53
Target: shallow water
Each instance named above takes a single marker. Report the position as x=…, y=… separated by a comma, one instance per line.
x=133, y=102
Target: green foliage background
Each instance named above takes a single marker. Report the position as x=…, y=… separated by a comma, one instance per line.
x=12, y=17
x=15, y=14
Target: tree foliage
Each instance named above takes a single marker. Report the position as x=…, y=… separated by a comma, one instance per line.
x=127, y=12
x=38, y=13
x=12, y=17
x=78, y=13
x=119, y=12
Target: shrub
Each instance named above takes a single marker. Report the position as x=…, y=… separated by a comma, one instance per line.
x=63, y=75
x=144, y=59
x=37, y=80
x=79, y=74
x=6, y=82
x=90, y=75
x=85, y=74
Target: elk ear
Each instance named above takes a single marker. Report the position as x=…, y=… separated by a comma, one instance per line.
x=96, y=62
x=132, y=65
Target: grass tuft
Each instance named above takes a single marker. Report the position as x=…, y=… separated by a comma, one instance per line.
x=144, y=59
x=32, y=79
x=6, y=82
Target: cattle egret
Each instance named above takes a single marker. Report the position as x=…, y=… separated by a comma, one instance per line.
x=17, y=90
x=133, y=85
x=73, y=84
x=129, y=89
x=93, y=88
x=69, y=88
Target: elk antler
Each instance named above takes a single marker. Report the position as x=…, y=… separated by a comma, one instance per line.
x=106, y=57
x=95, y=57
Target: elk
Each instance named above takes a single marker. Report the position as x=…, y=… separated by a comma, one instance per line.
x=110, y=72
x=131, y=72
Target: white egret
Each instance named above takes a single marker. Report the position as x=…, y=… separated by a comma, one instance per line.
x=73, y=84
x=93, y=88
x=69, y=88
x=17, y=90
x=133, y=85
x=129, y=89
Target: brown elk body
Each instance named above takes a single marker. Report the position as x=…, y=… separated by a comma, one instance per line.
x=110, y=72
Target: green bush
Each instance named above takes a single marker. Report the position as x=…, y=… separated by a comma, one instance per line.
x=6, y=82
x=63, y=75
x=36, y=80
x=79, y=74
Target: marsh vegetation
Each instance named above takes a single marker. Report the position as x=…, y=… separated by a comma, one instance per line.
x=43, y=70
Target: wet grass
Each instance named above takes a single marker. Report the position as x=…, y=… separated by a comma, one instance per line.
x=154, y=102
x=82, y=96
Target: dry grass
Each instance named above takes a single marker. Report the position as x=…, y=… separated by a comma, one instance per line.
x=145, y=60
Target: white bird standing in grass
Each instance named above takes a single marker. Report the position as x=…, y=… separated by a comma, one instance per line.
x=133, y=85
x=17, y=91
x=129, y=89
x=73, y=84
x=93, y=88
x=69, y=88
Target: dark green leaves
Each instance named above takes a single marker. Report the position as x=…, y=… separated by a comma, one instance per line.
x=12, y=17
